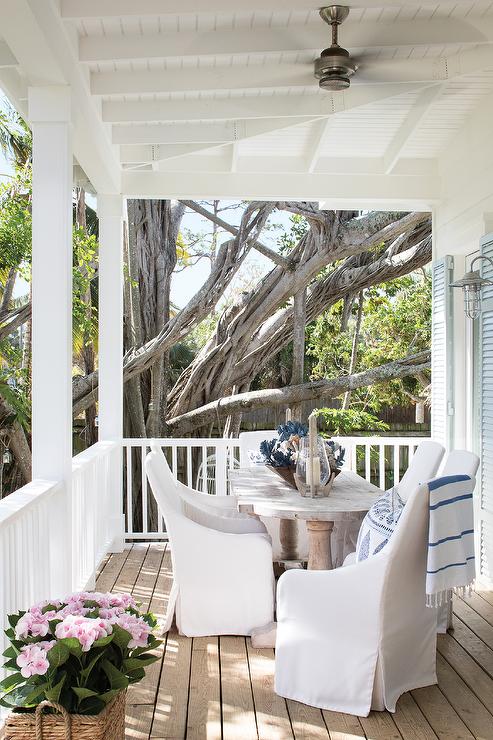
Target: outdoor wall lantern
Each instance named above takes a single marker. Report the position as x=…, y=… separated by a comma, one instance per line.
x=472, y=284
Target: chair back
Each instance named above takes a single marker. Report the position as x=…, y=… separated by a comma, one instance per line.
x=422, y=468
x=162, y=464
x=163, y=487
x=251, y=441
x=460, y=462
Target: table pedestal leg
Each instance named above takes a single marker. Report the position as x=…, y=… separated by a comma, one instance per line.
x=288, y=534
x=320, y=557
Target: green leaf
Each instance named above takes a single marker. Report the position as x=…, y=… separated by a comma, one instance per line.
x=58, y=655
x=109, y=695
x=12, y=680
x=83, y=693
x=116, y=678
x=84, y=674
x=137, y=675
x=121, y=637
x=48, y=608
x=31, y=698
x=132, y=663
x=103, y=641
x=54, y=693
x=14, y=618
x=72, y=644
x=11, y=652
x=91, y=705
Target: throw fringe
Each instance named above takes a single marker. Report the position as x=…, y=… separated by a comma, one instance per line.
x=433, y=601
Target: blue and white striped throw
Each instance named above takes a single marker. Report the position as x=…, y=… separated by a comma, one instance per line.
x=450, y=565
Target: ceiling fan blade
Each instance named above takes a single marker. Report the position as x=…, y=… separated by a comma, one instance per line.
x=398, y=70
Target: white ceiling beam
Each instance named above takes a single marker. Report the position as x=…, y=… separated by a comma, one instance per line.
x=117, y=8
x=7, y=59
x=234, y=77
x=307, y=37
x=345, y=191
x=274, y=106
x=411, y=123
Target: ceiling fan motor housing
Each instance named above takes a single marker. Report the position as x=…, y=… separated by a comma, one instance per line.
x=334, y=67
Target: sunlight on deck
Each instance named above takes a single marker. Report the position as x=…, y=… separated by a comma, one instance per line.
x=213, y=688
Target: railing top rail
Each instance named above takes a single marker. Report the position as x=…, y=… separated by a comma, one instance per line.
x=25, y=498
x=94, y=451
x=374, y=440
x=182, y=441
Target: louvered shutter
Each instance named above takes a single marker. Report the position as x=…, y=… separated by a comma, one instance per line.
x=485, y=507
x=442, y=389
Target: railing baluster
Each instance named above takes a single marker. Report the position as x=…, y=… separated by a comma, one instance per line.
x=368, y=462
x=143, y=478
x=189, y=467
x=397, y=473
x=381, y=466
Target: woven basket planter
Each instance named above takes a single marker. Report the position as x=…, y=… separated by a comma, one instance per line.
x=108, y=725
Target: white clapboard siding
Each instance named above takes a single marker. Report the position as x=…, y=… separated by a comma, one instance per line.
x=485, y=508
x=441, y=354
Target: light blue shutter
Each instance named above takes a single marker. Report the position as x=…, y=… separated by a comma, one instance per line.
x=485, y=507
x=442, y=388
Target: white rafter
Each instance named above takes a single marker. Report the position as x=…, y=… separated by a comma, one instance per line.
x=118, y=8
x=301, y=37
x=271, y=75
x=422, y=105
x=274, y=106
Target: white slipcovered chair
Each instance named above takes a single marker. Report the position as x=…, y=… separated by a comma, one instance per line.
x=223, y=581
x=422, y=468
x=250, y=441
x=210, y=506
x=358, y=637
x=460, y=462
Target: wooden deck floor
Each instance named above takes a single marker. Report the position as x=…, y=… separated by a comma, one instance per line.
x=221, y=688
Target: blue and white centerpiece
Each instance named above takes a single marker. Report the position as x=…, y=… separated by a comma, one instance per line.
x=291, y=449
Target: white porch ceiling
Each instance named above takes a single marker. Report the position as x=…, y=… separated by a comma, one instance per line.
x=220, y=94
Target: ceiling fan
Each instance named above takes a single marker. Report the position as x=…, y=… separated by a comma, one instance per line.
x=335, y=66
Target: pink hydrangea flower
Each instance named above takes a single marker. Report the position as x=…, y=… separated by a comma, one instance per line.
x=86, y=630
x=122, y=600
x=138, y=628
x=34, y=625
x=32, y=661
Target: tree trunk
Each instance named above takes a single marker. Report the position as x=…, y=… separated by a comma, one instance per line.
x=299, y=328
x=354, y=349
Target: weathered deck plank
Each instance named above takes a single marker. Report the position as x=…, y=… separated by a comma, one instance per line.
x=223, y=689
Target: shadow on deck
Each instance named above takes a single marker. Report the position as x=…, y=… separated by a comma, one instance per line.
x=222, y=688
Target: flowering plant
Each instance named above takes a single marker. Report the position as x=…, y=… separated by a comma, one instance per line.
x=80, y=652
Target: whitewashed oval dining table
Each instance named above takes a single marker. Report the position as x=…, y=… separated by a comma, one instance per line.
x=262, y=492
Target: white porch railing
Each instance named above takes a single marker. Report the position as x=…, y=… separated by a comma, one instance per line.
x=96, y=509
x=203, y=464
x=52, y=540
x=200, y=463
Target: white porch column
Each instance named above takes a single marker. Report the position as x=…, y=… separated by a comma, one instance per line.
x=110, y=408
x=50, y=118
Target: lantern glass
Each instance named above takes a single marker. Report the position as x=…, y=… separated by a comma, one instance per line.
x=472, y=300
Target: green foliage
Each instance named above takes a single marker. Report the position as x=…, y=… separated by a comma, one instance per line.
x=288, y=239
x=396, y=322
x=15, y=221
x=339, y=422
x=84, y=279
